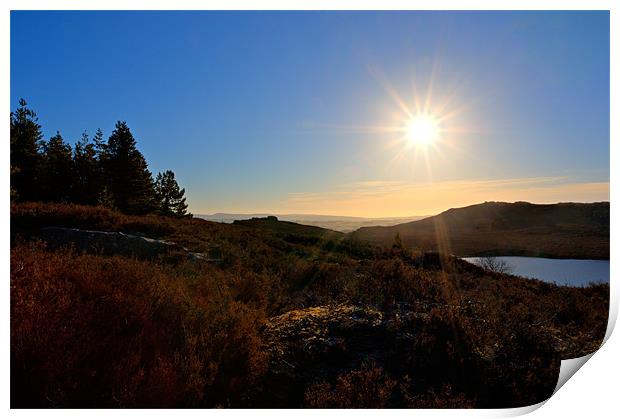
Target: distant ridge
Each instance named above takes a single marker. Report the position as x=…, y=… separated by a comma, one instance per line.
x=343, y=224
x=283, y=217
x=563, y=230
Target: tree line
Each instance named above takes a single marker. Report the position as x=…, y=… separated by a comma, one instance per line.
x=113, y=173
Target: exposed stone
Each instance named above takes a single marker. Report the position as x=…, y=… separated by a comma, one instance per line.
x=319, y=341
x=116, y=243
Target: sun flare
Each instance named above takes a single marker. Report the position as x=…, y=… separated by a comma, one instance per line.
x=421, y=130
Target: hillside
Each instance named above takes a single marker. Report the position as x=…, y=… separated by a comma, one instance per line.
x=289, y=229
x=115, y=310
x=564, y=230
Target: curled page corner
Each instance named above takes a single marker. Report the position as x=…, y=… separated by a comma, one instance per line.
x=569, y=367
x=521, y=411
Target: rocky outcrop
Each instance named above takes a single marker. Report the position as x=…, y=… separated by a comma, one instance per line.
x=317, y=344
x=116, y=243
x=312, y=335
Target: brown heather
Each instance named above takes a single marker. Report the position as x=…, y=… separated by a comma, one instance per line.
x=89, y=330
x=92, y=331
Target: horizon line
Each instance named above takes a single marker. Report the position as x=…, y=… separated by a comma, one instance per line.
x=276, y=213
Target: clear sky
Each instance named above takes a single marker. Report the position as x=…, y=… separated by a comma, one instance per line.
x=311, y=112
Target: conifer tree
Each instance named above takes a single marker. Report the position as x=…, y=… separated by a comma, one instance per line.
x=87, y=182
x=101, y=149
x=112, y=173
x=99, y=143
x=170, y=197
x=57, y=170
x=130, y=183
x=26, y=142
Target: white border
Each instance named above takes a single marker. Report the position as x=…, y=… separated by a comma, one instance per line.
x=592, y=392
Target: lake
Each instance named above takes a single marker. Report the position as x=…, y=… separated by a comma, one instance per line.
x=573, y=272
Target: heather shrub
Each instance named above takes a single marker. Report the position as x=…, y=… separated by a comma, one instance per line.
x=367, y=387
x=31, y=216
x=443, y=398
x=91, y=331
x=34, y=215
x=95, y=331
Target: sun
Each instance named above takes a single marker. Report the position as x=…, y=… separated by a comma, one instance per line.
x=421, y=130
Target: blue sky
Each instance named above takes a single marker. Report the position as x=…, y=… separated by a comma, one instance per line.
x=301, y=111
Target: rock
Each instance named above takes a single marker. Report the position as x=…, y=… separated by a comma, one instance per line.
x=314, y=344
x=320, y=344
x=115, y=243
x=204, y=257
x=317, y=342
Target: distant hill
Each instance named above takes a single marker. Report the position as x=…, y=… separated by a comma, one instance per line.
x=289, y=228
x=225, y=217
x=564, y=230
x=344, y=224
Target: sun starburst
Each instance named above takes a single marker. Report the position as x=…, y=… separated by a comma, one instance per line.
x=421, y=130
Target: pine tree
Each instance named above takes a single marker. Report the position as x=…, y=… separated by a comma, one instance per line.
x=130, y=183
x=87, y=187
x=57, y=173
x=101, y=148
x=99, y=143
x=26, y=142
x=170, y=197
x=112, y=173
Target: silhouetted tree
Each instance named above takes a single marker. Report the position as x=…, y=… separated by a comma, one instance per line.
x=495, y=264
x=112, y=173
x=130, y=183
x=14, y=194
x=170, y=197
x=398, y=242
x=26, y=143
x=57, y=170
x=100, y=145
x=101, y=149
x=87, y=182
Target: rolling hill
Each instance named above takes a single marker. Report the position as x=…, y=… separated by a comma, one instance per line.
x=564, y=230
x=289, y=229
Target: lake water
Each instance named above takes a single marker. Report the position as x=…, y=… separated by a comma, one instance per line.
x=574, y=272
